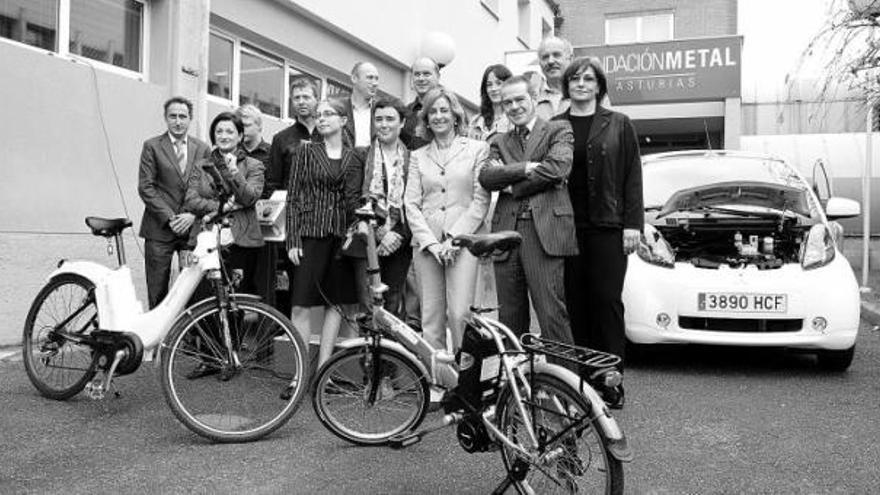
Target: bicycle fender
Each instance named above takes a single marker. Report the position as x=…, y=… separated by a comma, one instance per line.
x=92, y=271
x=617, y=444
x=208, y=301
x=392, y=346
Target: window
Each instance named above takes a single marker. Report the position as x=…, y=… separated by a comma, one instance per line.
x=261, y=82
x=33, y=22
x=108, y=31
x=546, y=28
x=336, y=89
x=524, y=9
x=220, y=53
x=639, y=28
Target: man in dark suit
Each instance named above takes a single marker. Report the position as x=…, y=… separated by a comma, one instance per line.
x=359, y=129
x=529, y=166
x=166, y=164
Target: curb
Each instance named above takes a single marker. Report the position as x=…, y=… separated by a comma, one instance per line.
x=10, y=353
x=870, y=312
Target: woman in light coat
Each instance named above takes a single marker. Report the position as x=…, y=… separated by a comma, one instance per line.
x=443, y=199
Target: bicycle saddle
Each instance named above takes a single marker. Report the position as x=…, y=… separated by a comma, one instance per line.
x=107, y=227
x=487, y=244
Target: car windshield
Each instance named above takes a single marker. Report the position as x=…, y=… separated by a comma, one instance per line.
x=664, y=177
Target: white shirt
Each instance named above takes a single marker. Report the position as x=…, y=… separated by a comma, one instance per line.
x=361, y=118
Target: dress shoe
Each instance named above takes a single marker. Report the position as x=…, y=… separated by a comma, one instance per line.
x=202, y=370
x=616, y=399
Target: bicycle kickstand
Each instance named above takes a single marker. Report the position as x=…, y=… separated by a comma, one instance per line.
x=516, y=473
x=403, y=441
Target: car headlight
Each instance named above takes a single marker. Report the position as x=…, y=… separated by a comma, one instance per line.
x=818, y=250
x=654, y=249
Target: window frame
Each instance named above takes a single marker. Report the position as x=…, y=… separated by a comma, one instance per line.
x=256, y=51
x=239, y=44
x=62, y=40
x=639, y=38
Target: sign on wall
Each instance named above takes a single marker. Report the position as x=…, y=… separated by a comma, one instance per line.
x=678, y=70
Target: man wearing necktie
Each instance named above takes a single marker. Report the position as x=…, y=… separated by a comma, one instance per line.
x=529, y=166
x=166, y=163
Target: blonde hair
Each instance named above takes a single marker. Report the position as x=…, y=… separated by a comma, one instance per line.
x=251, y=111
x=460, y=119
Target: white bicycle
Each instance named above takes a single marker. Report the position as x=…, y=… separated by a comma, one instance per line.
x=233, y=369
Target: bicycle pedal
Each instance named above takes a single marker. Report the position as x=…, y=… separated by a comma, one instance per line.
x=287, y=393
x=405, y=441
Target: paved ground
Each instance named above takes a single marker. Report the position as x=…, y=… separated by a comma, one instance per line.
x=699, y=421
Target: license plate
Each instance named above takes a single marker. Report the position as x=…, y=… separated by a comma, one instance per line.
x=742, y=302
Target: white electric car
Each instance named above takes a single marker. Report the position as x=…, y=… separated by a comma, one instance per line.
x=739, y=250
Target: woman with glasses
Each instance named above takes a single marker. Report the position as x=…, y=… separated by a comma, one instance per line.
x=605, y=186
x=443, y=199
x=323, y=192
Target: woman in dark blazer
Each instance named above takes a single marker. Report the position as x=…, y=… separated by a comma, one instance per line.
x=605, y=186
x=244, y=176
x=323, y=192
x=387, y=166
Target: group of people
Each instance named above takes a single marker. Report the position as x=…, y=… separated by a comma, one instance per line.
x=547, y=160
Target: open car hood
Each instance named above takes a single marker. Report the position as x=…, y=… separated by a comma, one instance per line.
x=762, y=194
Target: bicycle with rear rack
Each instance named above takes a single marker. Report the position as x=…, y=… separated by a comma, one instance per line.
x=552, y=427
x=233, y=368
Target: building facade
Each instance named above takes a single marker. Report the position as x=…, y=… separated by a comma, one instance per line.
x=89, y=78
x=84, y=83
x=746, y=85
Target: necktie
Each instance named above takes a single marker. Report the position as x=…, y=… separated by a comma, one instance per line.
x=523, y=133
x=180, y=151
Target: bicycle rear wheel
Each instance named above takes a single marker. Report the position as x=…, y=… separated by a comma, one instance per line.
x=342, y=395
x=575, y=459
x=58, y=366
x=236, y=398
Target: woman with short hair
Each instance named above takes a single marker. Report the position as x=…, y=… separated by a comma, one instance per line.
x=444, y=199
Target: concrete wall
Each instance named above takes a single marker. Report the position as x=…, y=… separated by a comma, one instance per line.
x=58, y=163
x=585, y=19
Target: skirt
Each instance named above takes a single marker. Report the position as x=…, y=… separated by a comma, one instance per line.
x=324, y=276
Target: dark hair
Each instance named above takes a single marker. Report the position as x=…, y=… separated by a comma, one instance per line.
x=390, y=102
x=182, y=101
x=304, y=82
x=581, y=64
x=222, y=117
x=487, y=110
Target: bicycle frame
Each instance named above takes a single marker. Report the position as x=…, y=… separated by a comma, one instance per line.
x=120, y=310
x=514, y=361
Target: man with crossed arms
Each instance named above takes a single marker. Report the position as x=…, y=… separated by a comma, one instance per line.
x=529, y=166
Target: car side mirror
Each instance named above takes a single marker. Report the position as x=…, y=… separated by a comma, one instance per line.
x=837, y=208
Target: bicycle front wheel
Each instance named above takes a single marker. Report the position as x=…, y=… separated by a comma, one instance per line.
x=237, y=397
x=572, y=454
x=64, y=310
x=368, y=398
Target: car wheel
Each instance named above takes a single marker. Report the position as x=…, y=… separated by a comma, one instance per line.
x=836, y=360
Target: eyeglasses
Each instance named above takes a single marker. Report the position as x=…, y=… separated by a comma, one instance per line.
x=327, y=114
x=585, y=78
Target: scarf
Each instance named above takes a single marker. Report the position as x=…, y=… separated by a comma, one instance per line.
x=387, y=182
